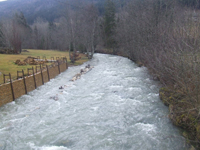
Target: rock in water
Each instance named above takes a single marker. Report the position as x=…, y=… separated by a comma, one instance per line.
x=61, y=87
x=82, y=71
x=54, y=97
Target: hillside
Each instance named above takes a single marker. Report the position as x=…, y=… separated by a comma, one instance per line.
x=46, y=9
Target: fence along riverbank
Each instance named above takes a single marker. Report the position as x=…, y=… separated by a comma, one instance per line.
x=36, y=77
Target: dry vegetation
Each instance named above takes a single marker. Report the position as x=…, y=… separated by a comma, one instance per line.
x=166, y=38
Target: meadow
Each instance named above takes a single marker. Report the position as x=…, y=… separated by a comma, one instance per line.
x=7, y=61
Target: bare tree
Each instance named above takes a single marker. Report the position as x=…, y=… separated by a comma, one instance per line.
x=82, y=27
x=40, y=34
x=15, y=31
x=89, y=29
x=62, y=35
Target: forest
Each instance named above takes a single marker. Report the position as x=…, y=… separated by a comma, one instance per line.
x=163, y=35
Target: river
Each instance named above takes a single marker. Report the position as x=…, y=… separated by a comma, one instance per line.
x=115, y=106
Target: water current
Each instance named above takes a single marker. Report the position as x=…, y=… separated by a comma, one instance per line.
x=115, y=106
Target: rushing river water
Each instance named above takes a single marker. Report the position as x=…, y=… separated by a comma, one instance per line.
x=115, y=106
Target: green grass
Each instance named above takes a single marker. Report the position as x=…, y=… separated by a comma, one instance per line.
x=7, y=64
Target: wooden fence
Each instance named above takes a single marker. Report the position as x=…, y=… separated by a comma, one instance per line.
x=35, y=77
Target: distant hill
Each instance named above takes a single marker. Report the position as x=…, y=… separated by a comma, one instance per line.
x=46, y=9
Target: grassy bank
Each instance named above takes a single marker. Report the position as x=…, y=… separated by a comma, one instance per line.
x=7, y=64
x=182, y=113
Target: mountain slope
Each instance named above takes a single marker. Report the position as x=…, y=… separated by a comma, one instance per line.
x=46, y=9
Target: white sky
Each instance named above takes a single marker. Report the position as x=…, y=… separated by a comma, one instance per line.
x=2, y=0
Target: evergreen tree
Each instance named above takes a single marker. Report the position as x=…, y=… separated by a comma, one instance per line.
x=35, y=37
x=1, y=38
x=21, y=20
x=191, y=3
x=20, y=32
x=109, y=24
x=51, y=32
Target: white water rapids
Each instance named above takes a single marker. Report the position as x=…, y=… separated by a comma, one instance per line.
x=115, y=106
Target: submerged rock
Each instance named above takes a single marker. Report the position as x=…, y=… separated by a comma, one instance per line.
x=82, y=71
x=54, y=97
x=61, y=87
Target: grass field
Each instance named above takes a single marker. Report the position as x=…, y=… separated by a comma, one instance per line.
x=7, y=64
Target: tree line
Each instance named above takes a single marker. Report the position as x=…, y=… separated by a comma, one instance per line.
x=76, y=30
x=163, y=35
x=82, y=27
x=157, y=33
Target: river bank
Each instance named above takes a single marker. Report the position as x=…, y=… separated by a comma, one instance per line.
x=182, y=114
x=183, y=108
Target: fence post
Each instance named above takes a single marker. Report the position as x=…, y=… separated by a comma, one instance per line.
x=12, y=87
x=41, y=74
x=52, y=58
x=24, y=81
x=34, y=78
x=4, y=78
x=35, y=69
x=48, y=72
x=28, y=71
x=58, y=66
x=66, y=63
x=18, y=75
